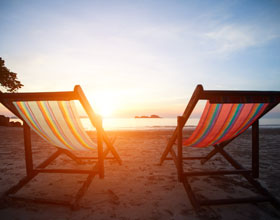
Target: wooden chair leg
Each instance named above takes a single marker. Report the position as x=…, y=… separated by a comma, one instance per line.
x=111, y=147
x=215, y=151
x=82, y=191
x=27, y=149
x=26, y=179
x=255, y=149
x=100, y=150
x=249, y=178
x=72, y=156
x=180, y=168
x=209, y=156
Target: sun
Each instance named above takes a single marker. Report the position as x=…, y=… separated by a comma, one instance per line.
x=104, y=104
x=105, y=109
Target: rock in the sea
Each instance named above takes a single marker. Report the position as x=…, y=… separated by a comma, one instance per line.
x=144, y=116
x=154, y=116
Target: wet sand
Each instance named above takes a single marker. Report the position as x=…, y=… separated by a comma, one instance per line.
x=140, y=188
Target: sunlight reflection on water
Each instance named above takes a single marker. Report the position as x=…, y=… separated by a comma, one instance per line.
x=156, y=123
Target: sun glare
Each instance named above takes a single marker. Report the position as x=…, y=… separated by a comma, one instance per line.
x=105, y=104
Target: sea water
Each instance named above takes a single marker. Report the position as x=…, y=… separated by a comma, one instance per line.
x=158, y=123
x=155, y=123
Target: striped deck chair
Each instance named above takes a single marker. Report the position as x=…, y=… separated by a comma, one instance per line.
x=54, y=117
x=227, y=114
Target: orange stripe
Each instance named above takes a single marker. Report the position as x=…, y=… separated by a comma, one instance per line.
x=71, y=127
x=253, y=111
x=77, y=123
x=251, y=117
x=205, y=125
x=227, y=137
x=226, y=123
x=53, y=129
x=32, y=123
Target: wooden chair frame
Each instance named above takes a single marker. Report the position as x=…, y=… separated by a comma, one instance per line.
x=271, y=97
x=31, y=172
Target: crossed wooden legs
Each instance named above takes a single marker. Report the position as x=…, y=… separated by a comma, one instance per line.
x=31, y=172
x=74, y=204
x=249, y=175
x=265, y=196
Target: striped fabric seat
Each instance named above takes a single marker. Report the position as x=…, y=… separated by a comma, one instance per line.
x=221, y=122
x=57, y=122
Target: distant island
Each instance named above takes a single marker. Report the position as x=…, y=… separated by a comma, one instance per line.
x=144, y=116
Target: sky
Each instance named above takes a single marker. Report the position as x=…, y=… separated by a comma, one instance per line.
x=141, y=57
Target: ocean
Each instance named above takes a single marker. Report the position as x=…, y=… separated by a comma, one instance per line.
x=155, y=123
x=158, y=123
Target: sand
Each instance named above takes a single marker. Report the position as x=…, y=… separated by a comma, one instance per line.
x=140, y=188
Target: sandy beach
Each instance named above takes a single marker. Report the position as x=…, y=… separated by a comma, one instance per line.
x=140, y=188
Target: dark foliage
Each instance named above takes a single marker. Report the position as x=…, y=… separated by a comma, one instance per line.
x=8, y=79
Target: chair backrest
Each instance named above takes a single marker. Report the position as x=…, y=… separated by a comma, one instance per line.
x=54, y=117
x=226, y=115
x=57, y=122
x=222, y=122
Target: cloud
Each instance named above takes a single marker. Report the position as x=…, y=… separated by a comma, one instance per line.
x=231, y=38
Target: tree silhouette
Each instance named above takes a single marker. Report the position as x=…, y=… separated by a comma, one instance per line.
x=8, y=79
